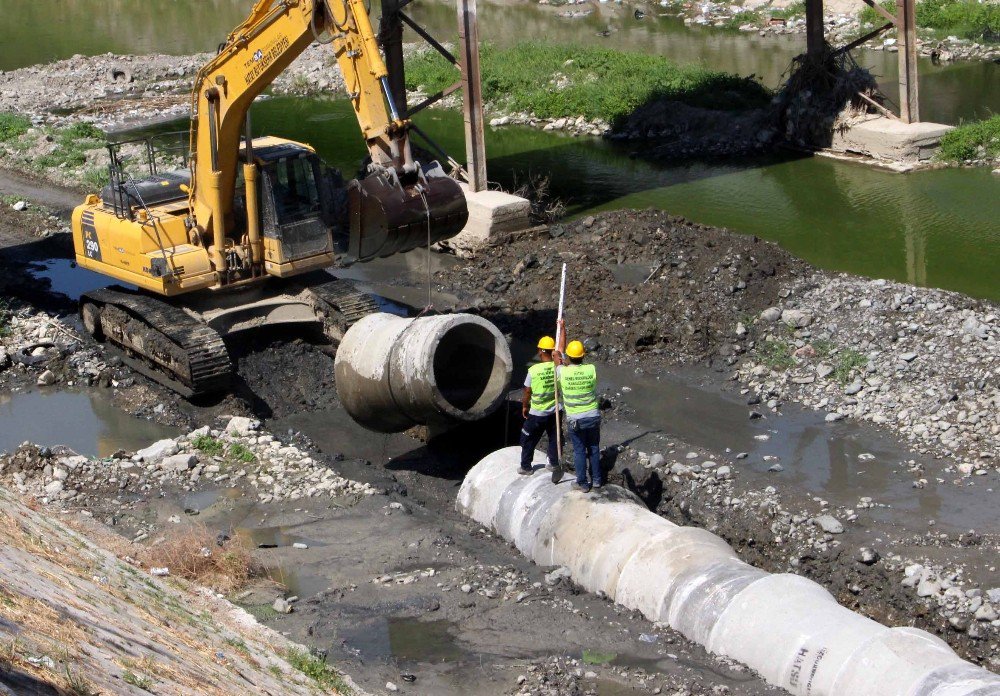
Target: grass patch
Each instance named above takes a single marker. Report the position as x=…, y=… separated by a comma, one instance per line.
x=555, y=81
x=796, y=9
x=745, y=17
x=316, y=669
x=96, y=178
x=13, y=126
x=968, y=19
x=72, y=145
x=239, y=645
x=241, y=453
x=192, y=553
x=262, y=612
x=776, y=354
x=849, y=361
x=77, y=684
x=208, y=444
x=964, y=142
x=139, y=681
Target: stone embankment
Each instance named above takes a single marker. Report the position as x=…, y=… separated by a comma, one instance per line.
x=77, y=619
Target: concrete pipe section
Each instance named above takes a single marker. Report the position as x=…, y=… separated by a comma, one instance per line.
x=786, y=627
x=394, y=373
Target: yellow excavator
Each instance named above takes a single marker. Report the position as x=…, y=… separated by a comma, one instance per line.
x=238, y=239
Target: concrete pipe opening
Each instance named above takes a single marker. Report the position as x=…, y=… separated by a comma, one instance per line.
x=394, y=373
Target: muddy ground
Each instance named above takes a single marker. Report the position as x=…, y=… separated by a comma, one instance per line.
x=660, y=301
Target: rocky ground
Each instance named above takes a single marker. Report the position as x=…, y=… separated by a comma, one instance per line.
x=841, y=24
x=446, y=602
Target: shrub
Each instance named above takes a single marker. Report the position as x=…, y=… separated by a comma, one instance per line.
x=241, y=453
x=316, y=669
x=967, y=18
x=193, y=553
x=207, y=444
x=963, y=143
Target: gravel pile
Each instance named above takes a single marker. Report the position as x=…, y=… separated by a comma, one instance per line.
x=238, y=455
x=923, y=363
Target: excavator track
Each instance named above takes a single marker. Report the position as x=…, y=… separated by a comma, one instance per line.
x=172, y=347
x=342, y=303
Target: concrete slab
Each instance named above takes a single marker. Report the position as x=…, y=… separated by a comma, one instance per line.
x=491, y=214
x=888, y=139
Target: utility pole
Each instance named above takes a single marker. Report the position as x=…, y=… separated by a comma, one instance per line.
x=815, y=41
x=906, y=31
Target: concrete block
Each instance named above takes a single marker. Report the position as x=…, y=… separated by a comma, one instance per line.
x=889, y=139
x=491, y=213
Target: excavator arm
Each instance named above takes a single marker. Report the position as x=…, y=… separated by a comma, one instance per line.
x=254, y=54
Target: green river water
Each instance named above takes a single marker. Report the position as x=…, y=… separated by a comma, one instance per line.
x=937, y=228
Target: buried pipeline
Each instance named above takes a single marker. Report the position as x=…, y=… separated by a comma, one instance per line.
x=394, y=373
x=786, y=627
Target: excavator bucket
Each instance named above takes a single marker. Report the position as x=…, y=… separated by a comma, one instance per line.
x=388, y=217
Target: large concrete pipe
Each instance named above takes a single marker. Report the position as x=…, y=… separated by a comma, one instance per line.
x=394, y=373
x=788, y=628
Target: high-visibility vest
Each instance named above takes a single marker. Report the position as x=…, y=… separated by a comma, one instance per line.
x=578, y=388
x=543, y=386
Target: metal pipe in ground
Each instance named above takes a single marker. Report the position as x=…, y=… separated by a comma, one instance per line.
x=393, y=373
x=786, y=627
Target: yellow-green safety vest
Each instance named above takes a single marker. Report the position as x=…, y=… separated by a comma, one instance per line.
x=578, y=388
x=543, y=386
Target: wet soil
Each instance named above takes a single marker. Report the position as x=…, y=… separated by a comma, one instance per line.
x=448, y=639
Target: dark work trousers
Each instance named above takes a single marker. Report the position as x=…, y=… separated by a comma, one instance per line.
x=531, y=434
x=586, y=437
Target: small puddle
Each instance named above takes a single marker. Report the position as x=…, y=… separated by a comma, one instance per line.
x=66, y=278
x=204, y=500
x=413, y=641
x=86, y=422
x=298, y=582
x=273, y=537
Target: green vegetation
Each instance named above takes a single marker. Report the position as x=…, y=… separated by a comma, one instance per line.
x=596, y=657
x=796, y=9
x=137, y=680
x=555, y=81
x=849, y=361
x=964, y=142
x=241, y=453
x=13, y=126
x=78, y=685
x=5, y=316
x=776, y=354
x=72, y=144
x=969, y=19
x=316, y=669
x=96, y=178
x=745, y=17
x=239, y=645
x=208, y=445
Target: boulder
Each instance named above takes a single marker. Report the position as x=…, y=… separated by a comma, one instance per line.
x=157, y=451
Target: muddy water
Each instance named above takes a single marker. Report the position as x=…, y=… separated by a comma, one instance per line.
x=86, y=422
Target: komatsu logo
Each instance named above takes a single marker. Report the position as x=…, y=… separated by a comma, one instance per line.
x=263, y=57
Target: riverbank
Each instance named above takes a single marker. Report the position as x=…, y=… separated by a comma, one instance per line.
x=949, y=30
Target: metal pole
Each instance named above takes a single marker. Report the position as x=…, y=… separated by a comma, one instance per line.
x=815, y=41
x=906, y=31
x=560, y=339
x=472, y=102
x=390, y=36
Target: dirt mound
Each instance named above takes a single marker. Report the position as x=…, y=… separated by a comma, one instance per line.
x=280, y=376
x=641, y=284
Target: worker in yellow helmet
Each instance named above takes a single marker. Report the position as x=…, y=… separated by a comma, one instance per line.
x=578, y=392
x=538, y=406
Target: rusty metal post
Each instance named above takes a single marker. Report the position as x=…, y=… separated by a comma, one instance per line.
x=906, y=33
x=815, y=41
x=472, y=102
x=390, y=34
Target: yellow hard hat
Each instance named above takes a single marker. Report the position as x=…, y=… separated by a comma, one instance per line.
x=575, y=349
x=546, y=343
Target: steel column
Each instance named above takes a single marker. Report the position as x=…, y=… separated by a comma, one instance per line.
x=906, y=33
x=815, y=41
x=472, y=103
x=390, y=35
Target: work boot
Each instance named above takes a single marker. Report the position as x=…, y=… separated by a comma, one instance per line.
x=525, y=472
x=557, y=473
x=582, y=487
x=598, y=486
